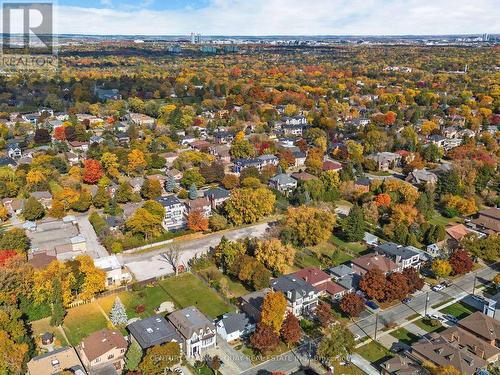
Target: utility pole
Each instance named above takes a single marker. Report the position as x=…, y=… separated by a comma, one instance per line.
x=426, y=302
x=474, y=285
x=376, y=324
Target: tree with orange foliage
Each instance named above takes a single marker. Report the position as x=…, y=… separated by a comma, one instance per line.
x=5, y=255
x=92, y=171
x=197, y=221
x=390, y=118
x=383, y=200
x=59, y=133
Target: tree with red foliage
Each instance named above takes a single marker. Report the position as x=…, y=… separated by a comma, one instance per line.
x=5, y=255
x=92, y=171
x=383, y=200
x=460, y=262
x=290, y=330
x=264, y=339
x=197, y=221
x=415, y=282
x=59, y=133
x=352, y=304
x=373, y=284
x=324, y=313
x=396, y=287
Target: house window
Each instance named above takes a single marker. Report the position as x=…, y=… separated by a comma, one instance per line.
x=111, y=356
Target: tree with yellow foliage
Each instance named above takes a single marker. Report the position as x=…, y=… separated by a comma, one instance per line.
x=428, y=126
x=136, y=161
x=464, y=206
x=273, y=310
x=43, y=282
x=94, y=278
x=274, y=255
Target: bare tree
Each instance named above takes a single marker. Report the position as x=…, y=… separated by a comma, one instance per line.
x=172, y=255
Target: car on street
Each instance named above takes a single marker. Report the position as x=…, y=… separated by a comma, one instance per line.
x=356, y=337
x=372, y=305
x=438, y=287
x=407, y=300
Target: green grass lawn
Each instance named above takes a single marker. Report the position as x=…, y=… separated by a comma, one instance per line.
x=187, y=290
x=41, y=326
x=83, y=320
x=256, y=358
x=374, y=352
x=405, y=336
x=422, y=323
x=235, y=288
x=437, y=218
x=353, y=247
x=303, y=259
x=459, y=310
x=151, y=297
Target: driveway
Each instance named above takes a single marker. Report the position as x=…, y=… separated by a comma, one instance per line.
x=363, y=364
x=151, y=264
x=94, y=247
x=234, y=362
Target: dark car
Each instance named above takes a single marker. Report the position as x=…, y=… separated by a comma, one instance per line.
x=372, y=305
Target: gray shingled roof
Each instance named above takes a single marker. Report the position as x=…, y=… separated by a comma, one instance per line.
x=152, y=331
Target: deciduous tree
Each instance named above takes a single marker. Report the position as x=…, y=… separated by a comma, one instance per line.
x=352, y=304
x=461, y=262
x=275, y=256
x=308, y=226
x=273, y=310
x=196, y=221
x=160, y=357
x=264, y=339
x=92, y=171
x=290, y=330
x=373, y=283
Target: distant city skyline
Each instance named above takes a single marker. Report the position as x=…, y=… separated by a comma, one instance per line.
x=277, y=17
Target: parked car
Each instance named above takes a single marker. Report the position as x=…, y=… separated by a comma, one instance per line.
x=356, y=337
x=451, y=318
x=447, y=283
x=438, y=287
x=372, y=305
x=407, y=300
x=478, y=298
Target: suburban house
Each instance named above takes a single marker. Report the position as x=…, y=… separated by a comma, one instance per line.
x=234, y=326
x=385, y=160
x=295, y=120
x=141, y=119
x=103, y=351
x=472, y=342
x=107, y=94
x=40, y=260
x=155, y=330
x=321, y=281
x=200, y=204
x=295, y=130
x=330, y=165
x=488, y=220
x=362, y=185
x=366, y=262
x=440, y=352
x=403, y=256
x=174, y=212
x=217, y=196
x=115, y=273
x=483, y=327
x=55, y=362
x=300, y=158
x=13, y=150
x=251, y=303
x=402, y=365
x=259, y=162
x=136, y=184
x=44, y=197
x=455, y=234
x=301, y=296
x=283, y=182
x=420, y=177
x=345, y=277
x=197, y=331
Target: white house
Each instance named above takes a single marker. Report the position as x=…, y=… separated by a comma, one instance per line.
x=174, y=212
x=233, y=326
x=115, y=273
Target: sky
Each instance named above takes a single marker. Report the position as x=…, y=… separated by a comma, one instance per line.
x=277, y=17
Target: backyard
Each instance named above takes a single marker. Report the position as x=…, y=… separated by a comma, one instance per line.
x=83, y=320
x=187, y=290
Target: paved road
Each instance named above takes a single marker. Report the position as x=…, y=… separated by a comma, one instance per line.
x=398, y=314
x=152, y=264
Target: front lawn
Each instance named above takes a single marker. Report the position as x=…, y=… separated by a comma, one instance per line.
x=187, y=290
x=374, y=352
x=83, y=320
x=405, y=336
x=424, y=323
x=459, y=310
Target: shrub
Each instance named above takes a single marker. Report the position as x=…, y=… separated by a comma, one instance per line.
x=140, y=308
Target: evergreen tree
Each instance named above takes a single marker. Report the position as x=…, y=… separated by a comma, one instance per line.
x=118, y=314
x=112, y=208
x=123, y=193
x=193, y=192
x=133, y=357
x=170, y=184
x=101, y=197
x=58, y=311
x=354, y=224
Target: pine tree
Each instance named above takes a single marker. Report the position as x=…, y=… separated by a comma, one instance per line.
x=354, y=224
x=133, y=357
x=170, y=184
x=193, y=192
x=58, y=311
x=118, y=315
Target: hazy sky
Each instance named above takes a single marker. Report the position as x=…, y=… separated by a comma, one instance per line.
x=278, y=17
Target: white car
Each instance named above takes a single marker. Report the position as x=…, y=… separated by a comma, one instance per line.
x=438, y=287
x=356, y=337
